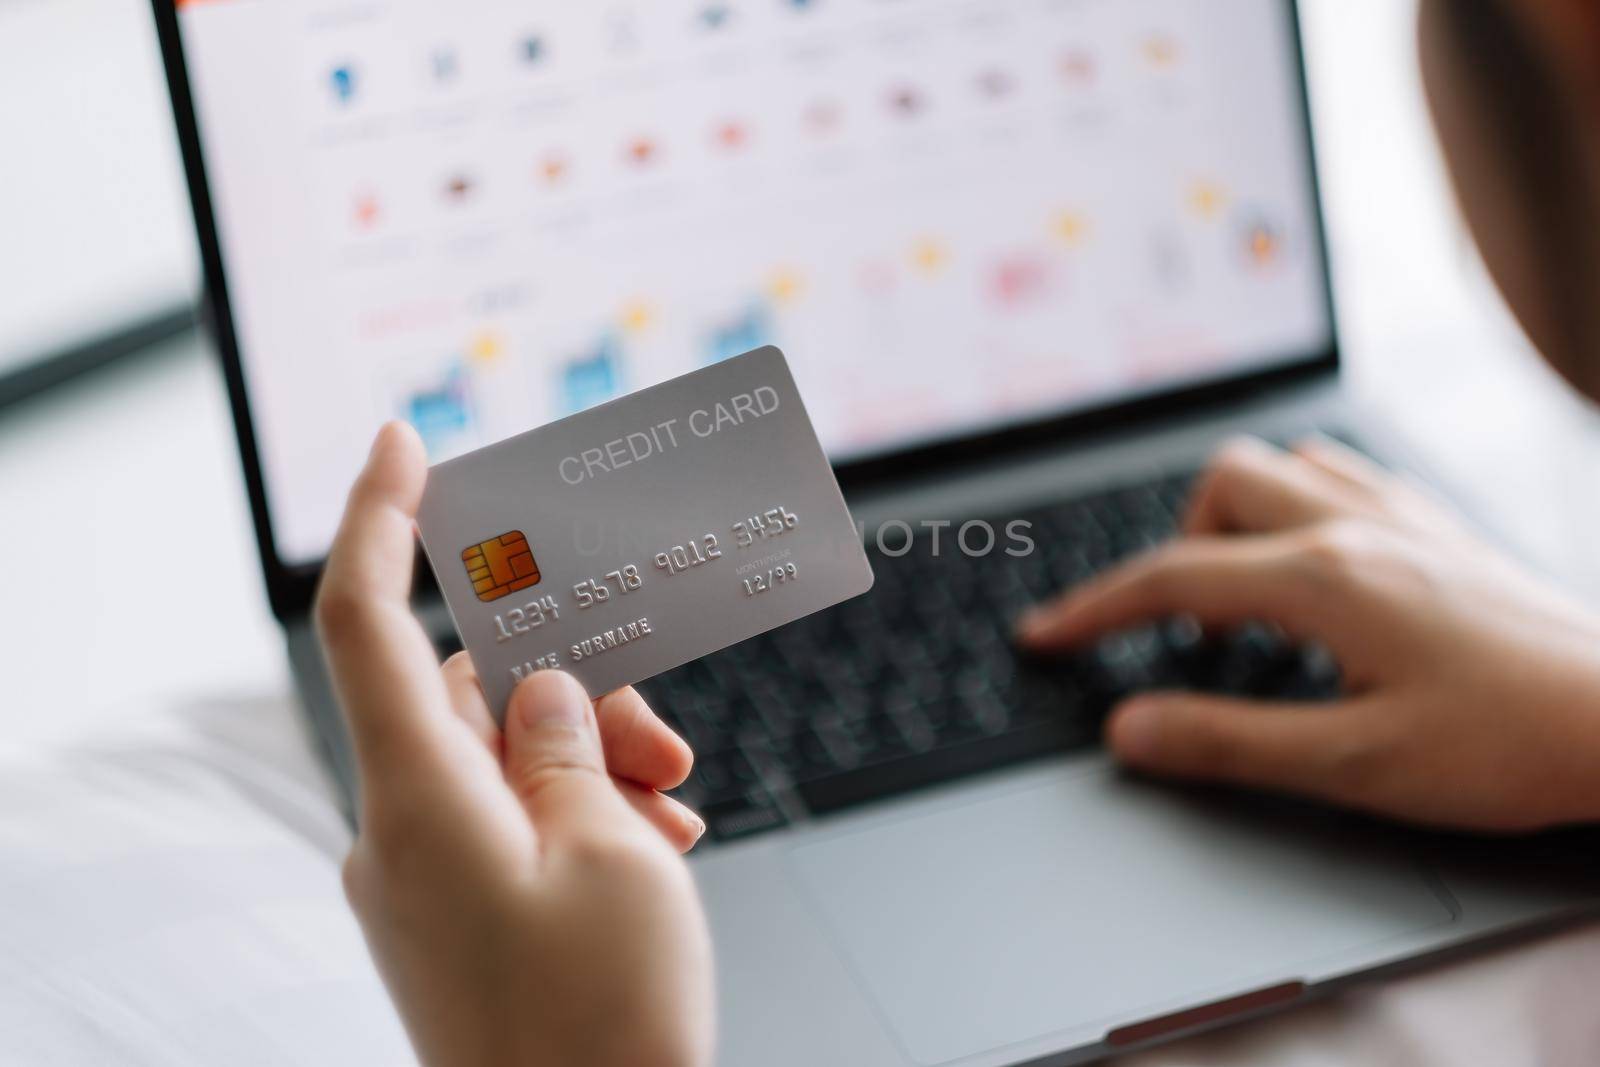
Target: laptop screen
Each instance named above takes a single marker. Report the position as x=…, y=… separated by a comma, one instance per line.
x=952, y=216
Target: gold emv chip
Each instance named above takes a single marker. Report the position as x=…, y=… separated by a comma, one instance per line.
x=500, y=565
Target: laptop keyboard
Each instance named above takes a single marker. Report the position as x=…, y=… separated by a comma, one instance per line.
x=917, y=682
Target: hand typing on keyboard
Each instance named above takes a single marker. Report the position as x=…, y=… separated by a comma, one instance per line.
x=1471, y=689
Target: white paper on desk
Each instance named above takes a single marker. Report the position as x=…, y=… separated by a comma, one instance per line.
x=153, y=910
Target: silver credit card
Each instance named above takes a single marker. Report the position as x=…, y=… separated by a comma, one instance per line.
x=643, y=533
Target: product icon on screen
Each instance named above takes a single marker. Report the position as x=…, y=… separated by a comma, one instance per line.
x=642, y=151
x=1077, y=67
x=995, y=83
x=553, y=169
x=438, y=401
x=592, y=377
x=823, y=116
x=731, y=136
x=715, y=16
x=342, y=80
x=907, y=101
x=1261, y=241
x=446, y=64
x=367, y=211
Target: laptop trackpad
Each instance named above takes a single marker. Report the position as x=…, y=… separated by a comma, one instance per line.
x=1088, y=898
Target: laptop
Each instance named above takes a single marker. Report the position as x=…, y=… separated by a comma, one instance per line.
x=1030, y=262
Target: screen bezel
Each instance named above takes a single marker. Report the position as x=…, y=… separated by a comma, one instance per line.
x=291, y=587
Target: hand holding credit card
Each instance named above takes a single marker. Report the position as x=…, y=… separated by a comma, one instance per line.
x=643, y=533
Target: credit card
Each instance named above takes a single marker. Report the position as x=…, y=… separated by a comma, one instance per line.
x=643, y=533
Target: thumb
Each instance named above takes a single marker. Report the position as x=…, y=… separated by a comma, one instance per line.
x=1315, y=750
x=554, y=762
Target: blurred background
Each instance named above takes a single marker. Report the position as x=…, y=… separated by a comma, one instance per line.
x=114, y=424
x=97, y=251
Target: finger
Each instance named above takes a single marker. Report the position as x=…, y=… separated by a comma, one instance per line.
x=637, y=744
x=1219, y=581
x=680, y=826
x=1328, y=751
x=1252, y=487
x=468, y=702
x=1394, y=495
x=1349, y=467
x=383, y=666
x=554, y=762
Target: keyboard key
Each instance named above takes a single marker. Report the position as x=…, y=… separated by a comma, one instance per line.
x=736, y=817
x=721, y=775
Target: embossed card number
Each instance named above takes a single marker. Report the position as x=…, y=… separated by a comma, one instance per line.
x=771, y=523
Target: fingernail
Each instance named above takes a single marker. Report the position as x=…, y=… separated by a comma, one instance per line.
x=1031, y=624
x=384, y=433
x=1134, y=731
x=550, y=698
x=1251, y=441
x=698, y=826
